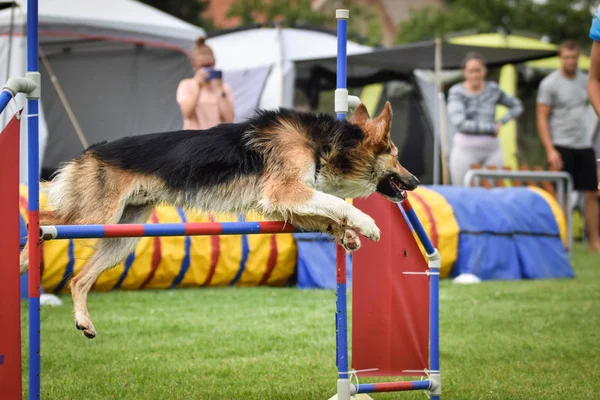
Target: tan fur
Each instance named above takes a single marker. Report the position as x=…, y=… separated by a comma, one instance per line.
x=90, y=200
x=91, y=191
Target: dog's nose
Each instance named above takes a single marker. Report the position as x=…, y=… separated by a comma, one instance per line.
x=410, y=182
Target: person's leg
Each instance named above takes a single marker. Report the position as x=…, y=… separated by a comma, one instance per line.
x=587, y=181
x=494, y=156
x=568, y=159
x=591, y=220
x=462, y=157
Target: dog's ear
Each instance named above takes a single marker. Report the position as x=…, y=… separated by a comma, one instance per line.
x=384, y=121
x=361, y=115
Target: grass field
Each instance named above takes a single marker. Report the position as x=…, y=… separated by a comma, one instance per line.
x=499, y=340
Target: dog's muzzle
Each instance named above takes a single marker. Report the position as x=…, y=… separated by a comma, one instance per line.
x=394, y=186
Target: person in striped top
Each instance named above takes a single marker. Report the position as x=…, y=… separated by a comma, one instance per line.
x=472, y=111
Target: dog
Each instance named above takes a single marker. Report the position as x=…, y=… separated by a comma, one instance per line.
x=287, y=165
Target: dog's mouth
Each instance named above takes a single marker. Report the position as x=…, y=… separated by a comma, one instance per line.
x=394, y=186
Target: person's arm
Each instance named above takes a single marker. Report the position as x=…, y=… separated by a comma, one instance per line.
x=188, y=94
x=594, y=78
x=542, y=112
x=458, y=117
x=225, y=104
x=514, y=105
x=594, y=72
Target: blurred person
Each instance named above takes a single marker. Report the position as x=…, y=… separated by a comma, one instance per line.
x=562, y=100
x=204, y=100
x=593, y=84
x=472, y=112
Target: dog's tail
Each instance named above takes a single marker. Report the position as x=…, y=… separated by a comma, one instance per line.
x=58, y=191
x=61, y=187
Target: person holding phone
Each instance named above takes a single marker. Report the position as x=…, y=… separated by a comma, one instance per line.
x=204, y=100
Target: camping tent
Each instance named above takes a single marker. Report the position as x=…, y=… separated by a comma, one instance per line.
x=517, y=41
x=277, y=49
x=417, y=125
x=118, y=63
x=404, y=59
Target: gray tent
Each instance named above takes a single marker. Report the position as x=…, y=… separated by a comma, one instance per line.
x=117, y=64
x=416, y=98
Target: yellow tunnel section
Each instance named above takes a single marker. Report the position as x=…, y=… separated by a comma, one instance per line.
x=438, y=220
x=172, y=262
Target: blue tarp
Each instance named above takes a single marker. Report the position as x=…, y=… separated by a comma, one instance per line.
x=506, y=233
x=316, y=262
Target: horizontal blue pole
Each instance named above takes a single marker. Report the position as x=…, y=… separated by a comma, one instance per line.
x=5, y=97
x=391, y=386
x=165, y=229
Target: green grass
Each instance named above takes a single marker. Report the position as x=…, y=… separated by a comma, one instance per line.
x=499, y=340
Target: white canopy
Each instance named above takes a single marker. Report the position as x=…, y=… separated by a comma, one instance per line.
x=277, y=48
x=108, y=19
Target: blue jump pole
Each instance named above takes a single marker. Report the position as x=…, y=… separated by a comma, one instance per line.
x=54, y=232
x=341, y=108
x=434, y=297
x=33, y=209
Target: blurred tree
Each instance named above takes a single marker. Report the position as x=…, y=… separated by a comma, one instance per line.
x=558, y=19
x=363, y=26
x=246, y=10
x=187, y=10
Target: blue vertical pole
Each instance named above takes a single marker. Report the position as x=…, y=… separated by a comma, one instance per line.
x=434, y=327
x=434, y=289
x=342, y=34
x=33, y=186
x=341, y=303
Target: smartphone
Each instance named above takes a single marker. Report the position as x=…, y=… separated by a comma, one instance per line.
x=214, y=74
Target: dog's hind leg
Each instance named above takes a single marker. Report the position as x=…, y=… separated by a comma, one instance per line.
x=109, y=253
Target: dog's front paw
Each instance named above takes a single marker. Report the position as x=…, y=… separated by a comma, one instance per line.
x=366, y=226
x=350, y=240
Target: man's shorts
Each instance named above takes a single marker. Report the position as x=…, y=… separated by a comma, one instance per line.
x=581, y=164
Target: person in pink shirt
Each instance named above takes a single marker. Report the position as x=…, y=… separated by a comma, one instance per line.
x=204, y=102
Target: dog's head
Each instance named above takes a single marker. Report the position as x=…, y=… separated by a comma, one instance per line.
x=386, y=174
